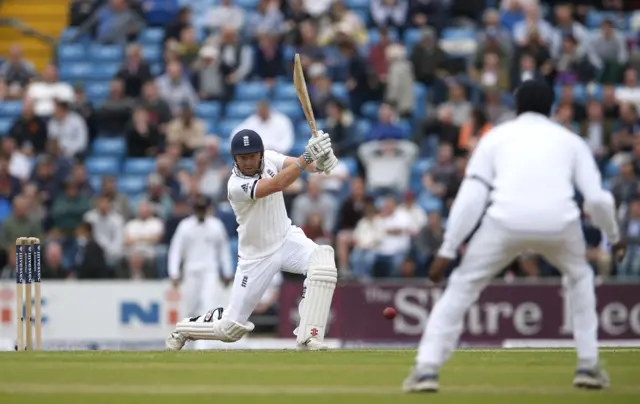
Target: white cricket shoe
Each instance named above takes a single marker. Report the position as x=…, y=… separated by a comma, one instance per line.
x=312, y=344
x=175, y=341
x=595, y=378
x=419, y=382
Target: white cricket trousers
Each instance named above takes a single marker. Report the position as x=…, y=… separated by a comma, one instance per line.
x=490, y=250
x=253, y=277
x=201, y=291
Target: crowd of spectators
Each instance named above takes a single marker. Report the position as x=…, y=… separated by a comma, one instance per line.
x=404, y=101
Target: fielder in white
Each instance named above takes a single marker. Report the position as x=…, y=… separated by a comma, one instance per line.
x=200, y=262
x=523, y=174
x=268, y=243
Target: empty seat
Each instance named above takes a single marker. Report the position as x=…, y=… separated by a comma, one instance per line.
x=139, y=166
x=208, y=109
x=240, y=109
x=370, y=110
x=292, y=109
x=187, y=164
x=72, y=52
x=106, y=53
x=103, y=166
x=285, y=91
x=151, y=36
x=132, y=184
x=251, y=91
x=97, y=90
x=10, y=109
x=5, y=125
x=109, y=147
x=226, y=126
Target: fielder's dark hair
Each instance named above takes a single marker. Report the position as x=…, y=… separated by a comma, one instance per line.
x=534, y=96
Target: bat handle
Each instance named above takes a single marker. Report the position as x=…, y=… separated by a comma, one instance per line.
x=314, y=129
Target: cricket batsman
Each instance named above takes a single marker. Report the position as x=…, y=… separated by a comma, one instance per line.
x=519, y=187
x=268, y=243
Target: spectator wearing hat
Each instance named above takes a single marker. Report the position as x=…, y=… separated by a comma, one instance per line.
x=209, y=79
x=68, y=129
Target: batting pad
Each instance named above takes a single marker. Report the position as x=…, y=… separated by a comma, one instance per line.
x=322, y=277
x=218, y=330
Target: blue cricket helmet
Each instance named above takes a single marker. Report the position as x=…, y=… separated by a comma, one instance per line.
x=246, y=141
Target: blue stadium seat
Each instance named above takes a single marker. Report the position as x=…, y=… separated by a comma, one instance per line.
x=374, y=36
x=10, y=109
x=106, y=53
x=363, y=127
x=75, y=71
x=240, y=109
x=420, y=92
x=211, y=127
x=288, y=52
x=302, y=131
x=339, y=91
x=71, y=52
x=103, y=166
x=132, y=184
x=285, y=91
x=139, y=166
x=251, y=91
x=97, y=91
x=370, y=110
x=357, y=4
x=407, y=127
x=104, y=70
x=611, y=170
x=246, y=4
x=68, y=33
x=151, y=53
x=226, y=126
x=156, y=69
x=151, y=36
x=96, y=182
x=351, y=164
x=228, y=218
x=5, y=125
x=208, y=109
x=430, y=204
x=115, y=147
x=188, y=164
x=291, y=109
x=458, y=33
x=411, y=37
x=595, y=18
x=298, y=147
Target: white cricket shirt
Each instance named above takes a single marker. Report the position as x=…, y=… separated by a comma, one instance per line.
x=200, y=246
x=262, y=223
x=532, y=165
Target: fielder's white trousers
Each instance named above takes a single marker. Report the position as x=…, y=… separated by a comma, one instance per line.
x=201, y=291
x=253, y=277
x=490, y=250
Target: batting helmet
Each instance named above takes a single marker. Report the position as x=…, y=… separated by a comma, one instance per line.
x=246, y=141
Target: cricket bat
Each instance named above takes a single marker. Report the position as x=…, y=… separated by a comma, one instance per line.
x=303, y=94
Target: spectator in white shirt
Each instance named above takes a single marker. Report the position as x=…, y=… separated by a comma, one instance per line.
x=108, y=229
x=417, y=215
x=396, y=243
x=142, y=234
x=367, y=236
x=68, y=129
x=274, y=127
x=629, y=92
x=19, y=165
x=226, y=14
x=45, y=92
x=531, y=22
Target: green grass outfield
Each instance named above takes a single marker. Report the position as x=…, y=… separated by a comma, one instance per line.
x=361, y=376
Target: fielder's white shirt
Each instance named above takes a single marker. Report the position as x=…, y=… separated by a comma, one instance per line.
x=263, y=223
x=533, y=166
x=200, y=246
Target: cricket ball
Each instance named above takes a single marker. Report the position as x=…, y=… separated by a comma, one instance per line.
x=389, y=313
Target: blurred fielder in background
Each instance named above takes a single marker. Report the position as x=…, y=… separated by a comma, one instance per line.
x=200, y=262
x=523, y=174
x=268, y=243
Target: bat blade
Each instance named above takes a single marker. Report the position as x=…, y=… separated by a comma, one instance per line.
x=303, y=94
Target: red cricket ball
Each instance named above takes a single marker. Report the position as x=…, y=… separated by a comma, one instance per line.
x=389, y=313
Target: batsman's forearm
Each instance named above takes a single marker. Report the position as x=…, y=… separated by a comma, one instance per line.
x=288, y=176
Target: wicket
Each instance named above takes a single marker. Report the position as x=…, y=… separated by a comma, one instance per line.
x=28, y=249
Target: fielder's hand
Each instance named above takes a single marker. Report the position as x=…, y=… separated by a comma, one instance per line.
x=617, y=250
x=438, y=268
x=318, y=147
